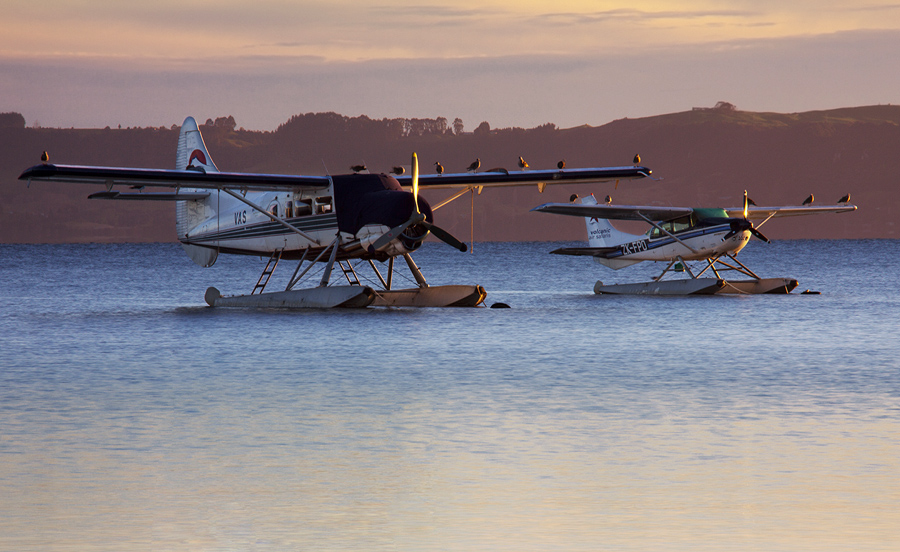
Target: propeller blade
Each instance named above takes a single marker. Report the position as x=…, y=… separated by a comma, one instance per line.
x=395, y=232
x=729, y=235
x=415, y=180
x=445, y=237
x=759, y=234
x=745, y=205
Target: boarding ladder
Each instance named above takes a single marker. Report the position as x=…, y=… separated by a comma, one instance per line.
x=349, y=273
x=267, y=272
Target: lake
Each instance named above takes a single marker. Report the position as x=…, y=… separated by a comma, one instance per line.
x=134, y=417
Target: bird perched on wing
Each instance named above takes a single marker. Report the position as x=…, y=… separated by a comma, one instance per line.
x=475, y=164
x=561, y=164
x=438, y=168
x=357, y=168
x=398, y=170
x=608, y=200
x=45, y=157
x=522, y=163
x=809, y=200
x=637, y=159
x=845, y=199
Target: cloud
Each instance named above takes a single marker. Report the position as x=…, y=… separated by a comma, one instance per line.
x=261, y=92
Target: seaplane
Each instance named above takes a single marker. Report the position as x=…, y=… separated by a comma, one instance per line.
x=708, y=238
x=334, y=222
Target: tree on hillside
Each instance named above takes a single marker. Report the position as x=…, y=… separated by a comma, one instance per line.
x=483, y=128
x=227, y=123
x=457, y=126
x=12, y=120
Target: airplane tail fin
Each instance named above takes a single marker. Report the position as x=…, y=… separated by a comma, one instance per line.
x=601, y=233
x=193, y=155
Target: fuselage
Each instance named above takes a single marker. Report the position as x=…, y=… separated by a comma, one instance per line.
x=689, y=244
x=703, y=234
x=359, y=208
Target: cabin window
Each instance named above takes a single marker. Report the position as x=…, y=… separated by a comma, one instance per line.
x=672, y=227
x=302, y=207
x=323, y=205
x=681, y=224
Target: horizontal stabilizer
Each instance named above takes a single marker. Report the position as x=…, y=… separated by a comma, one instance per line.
x=585, y=251
x=150, y=196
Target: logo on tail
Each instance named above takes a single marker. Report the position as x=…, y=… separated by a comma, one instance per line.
x=199, y=156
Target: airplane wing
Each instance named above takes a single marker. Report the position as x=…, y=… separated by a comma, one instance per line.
x=541, y=178
x=757, y=213
x=112, y=176
x=615, y=212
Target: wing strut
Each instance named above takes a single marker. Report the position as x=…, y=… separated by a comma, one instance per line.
x=279, y=220
x=334, y=248
x=451, y=198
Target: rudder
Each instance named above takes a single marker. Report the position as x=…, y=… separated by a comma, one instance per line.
x=192, y=154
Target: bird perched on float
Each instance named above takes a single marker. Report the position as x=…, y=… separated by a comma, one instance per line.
x=845, y=199
x=522, y=163
x=398, y=170
x=561, y=164
x=438, y=168
x=357, y=168
x=572, y=198
x=809, y=200
x=45, y=157
x=637, y=159
x=475, y=165
x=609, y=200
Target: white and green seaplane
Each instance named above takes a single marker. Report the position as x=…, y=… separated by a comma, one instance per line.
x=707, y=238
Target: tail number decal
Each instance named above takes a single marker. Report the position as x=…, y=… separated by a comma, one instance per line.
x=634, y=247
x=240, y=217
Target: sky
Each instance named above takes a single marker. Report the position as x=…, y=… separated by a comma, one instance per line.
x=521, y=63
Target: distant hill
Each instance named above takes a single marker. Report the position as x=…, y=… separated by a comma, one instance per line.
x=703, y=157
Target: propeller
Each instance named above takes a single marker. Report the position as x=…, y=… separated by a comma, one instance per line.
x=740, y=225
x=417, y=218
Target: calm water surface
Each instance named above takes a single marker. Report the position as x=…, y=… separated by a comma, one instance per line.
x=133, y=417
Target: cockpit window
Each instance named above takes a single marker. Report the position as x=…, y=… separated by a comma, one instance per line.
x=672, y=226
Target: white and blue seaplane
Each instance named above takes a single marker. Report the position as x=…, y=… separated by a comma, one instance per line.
x=709, y=237
x=344, y=221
